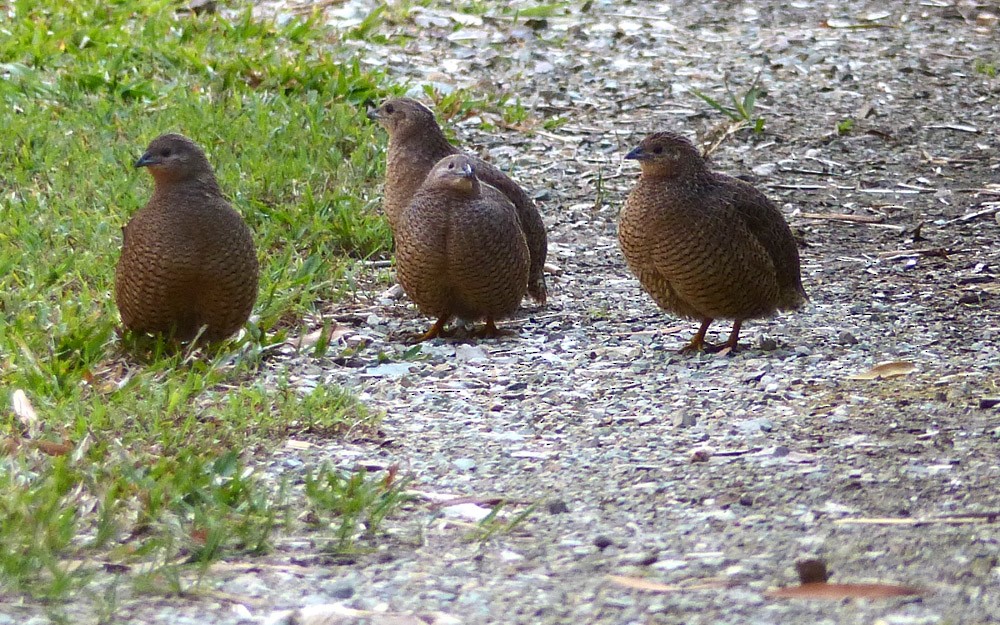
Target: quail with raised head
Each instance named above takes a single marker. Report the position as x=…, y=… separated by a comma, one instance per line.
x=416, y=144
x=188, y=259
x=705, y=245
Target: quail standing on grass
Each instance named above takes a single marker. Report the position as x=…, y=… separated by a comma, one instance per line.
x=188, y=259
x=706, y=246
x=416, y=144
x=460, y=251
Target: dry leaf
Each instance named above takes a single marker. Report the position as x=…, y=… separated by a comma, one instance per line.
x=821, y=590
x=52, y=448
x=641, y=583
x=23, y=409
x=813, y=584
x=885, y=370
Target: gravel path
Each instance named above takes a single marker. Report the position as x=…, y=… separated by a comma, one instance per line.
x=686, y=470
x=691, y=470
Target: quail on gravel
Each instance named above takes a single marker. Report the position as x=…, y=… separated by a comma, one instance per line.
x=416, y=144
x=460, y=251
x=188, y=259
x=705, y=245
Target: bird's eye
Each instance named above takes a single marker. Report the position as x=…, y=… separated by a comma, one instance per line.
x=451, y=165
x=389, y=109
x=165, y=152
x=658, y=150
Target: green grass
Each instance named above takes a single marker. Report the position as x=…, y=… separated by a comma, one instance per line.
x=142, y=456
x=741, y=109
x=985, y=68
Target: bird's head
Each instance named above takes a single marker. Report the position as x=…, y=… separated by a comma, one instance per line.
x=456, y=172
x=404, y=116
x=174, y=157
x=666, y=153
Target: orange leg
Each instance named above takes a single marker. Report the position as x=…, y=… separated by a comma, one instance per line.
x=734, y=337
x=491, y=331
x=436, y=330
x=697, y=343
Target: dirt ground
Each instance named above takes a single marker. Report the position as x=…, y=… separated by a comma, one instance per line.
x=709, y=474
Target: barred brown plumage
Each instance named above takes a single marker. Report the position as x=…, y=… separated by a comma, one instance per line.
x=416, y=144
x=459, y=249
x=188, y=258
x=705, y=245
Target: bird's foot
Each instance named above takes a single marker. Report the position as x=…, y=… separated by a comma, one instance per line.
x=491, y=331
x=699, y=344
x=436, y=330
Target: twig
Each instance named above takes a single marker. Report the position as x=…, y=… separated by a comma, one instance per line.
x=737, y=452
x=903, y=191
x=949, y=519
x=860, y=219
x=958, y=127
x=992, y=207
x=799, y=187
x=937, y=251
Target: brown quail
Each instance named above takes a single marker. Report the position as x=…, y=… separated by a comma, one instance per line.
x=416, y=143
x=706, y=246
x=188, y=259
x=460, y=251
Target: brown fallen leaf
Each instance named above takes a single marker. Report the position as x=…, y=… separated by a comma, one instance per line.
x=883, y=370
x=813, y=584
x=53, y=448
x=823, y=590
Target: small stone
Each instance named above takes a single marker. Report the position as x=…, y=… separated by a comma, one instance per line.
x=470, y=353
x=603, y=542
x=989, y=402
x=685, y=420
x=701, y=454
x=557, y=507
x=464, y=464
x=248, y=585
x=846, y=338
x=339, y=589
x=765, y=169
x=767, y=344
x=746, y=500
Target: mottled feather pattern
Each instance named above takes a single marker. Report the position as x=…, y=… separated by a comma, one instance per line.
x=188, y=259
x=416, y=144
x=705, y=245
x=461, y=252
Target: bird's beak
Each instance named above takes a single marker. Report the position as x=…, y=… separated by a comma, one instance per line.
x=373, y=115
x=146, y=160
x=636, y=154
x=467, y=171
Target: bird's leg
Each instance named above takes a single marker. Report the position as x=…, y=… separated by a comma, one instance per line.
x=491, y=331
x=697, y=343
x=734, y=337
x=730, y=345
x=436, y=330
